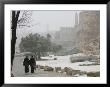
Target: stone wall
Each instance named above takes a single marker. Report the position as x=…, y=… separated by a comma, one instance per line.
x=88, y=36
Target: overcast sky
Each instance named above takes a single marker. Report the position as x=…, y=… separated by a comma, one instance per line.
x=53, y=20
x=45, y=21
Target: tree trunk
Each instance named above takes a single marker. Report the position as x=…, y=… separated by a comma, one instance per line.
x=13, y=40
x=39, y=56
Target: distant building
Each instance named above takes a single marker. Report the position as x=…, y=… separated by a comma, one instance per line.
x=65, y=37
x=67, y=34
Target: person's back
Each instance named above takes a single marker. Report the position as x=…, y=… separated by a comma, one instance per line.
x=32, y=61
x=26, y=64
x=32, y=64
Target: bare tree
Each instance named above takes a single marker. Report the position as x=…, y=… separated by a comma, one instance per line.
x=18, y=21
x=15, y=16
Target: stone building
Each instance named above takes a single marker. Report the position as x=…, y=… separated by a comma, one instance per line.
x=88, y=36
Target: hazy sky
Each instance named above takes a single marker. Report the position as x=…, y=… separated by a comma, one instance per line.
x=45, y=21
x=53, y=20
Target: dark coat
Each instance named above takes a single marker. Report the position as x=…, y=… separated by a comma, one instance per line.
x=32, y=62
x=26, y=62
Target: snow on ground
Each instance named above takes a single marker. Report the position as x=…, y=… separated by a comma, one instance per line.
x=18, y=70
x=64, y=61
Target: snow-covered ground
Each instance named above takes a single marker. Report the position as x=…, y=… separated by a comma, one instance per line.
x=64, y=61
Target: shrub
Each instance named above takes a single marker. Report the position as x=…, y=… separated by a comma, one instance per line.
x=93, y=74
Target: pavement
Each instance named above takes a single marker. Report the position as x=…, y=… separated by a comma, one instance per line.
x=18, y=71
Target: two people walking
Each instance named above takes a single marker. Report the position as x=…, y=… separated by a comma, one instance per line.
x=30, y=62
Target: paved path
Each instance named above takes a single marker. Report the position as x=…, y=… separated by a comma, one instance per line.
x=18, y=70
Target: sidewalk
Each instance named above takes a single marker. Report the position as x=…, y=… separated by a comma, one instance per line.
x=41, y=73
x=18, y=71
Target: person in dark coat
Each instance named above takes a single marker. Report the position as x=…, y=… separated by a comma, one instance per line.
x=26, y=64
x=32, y=64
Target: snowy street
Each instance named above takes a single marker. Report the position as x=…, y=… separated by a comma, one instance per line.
x=62, y=61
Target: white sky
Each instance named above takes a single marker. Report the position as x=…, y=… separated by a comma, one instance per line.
x=47, y=21
x=53, y=20
x=50, y=21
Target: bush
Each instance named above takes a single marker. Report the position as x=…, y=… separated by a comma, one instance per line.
x=77, y=59
x=93, y=74
x=81, y=58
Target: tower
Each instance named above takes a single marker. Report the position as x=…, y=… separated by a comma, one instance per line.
x=76, y=18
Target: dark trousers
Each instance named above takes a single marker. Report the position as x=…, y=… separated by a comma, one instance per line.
x=26, y=69
x=32, y=69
